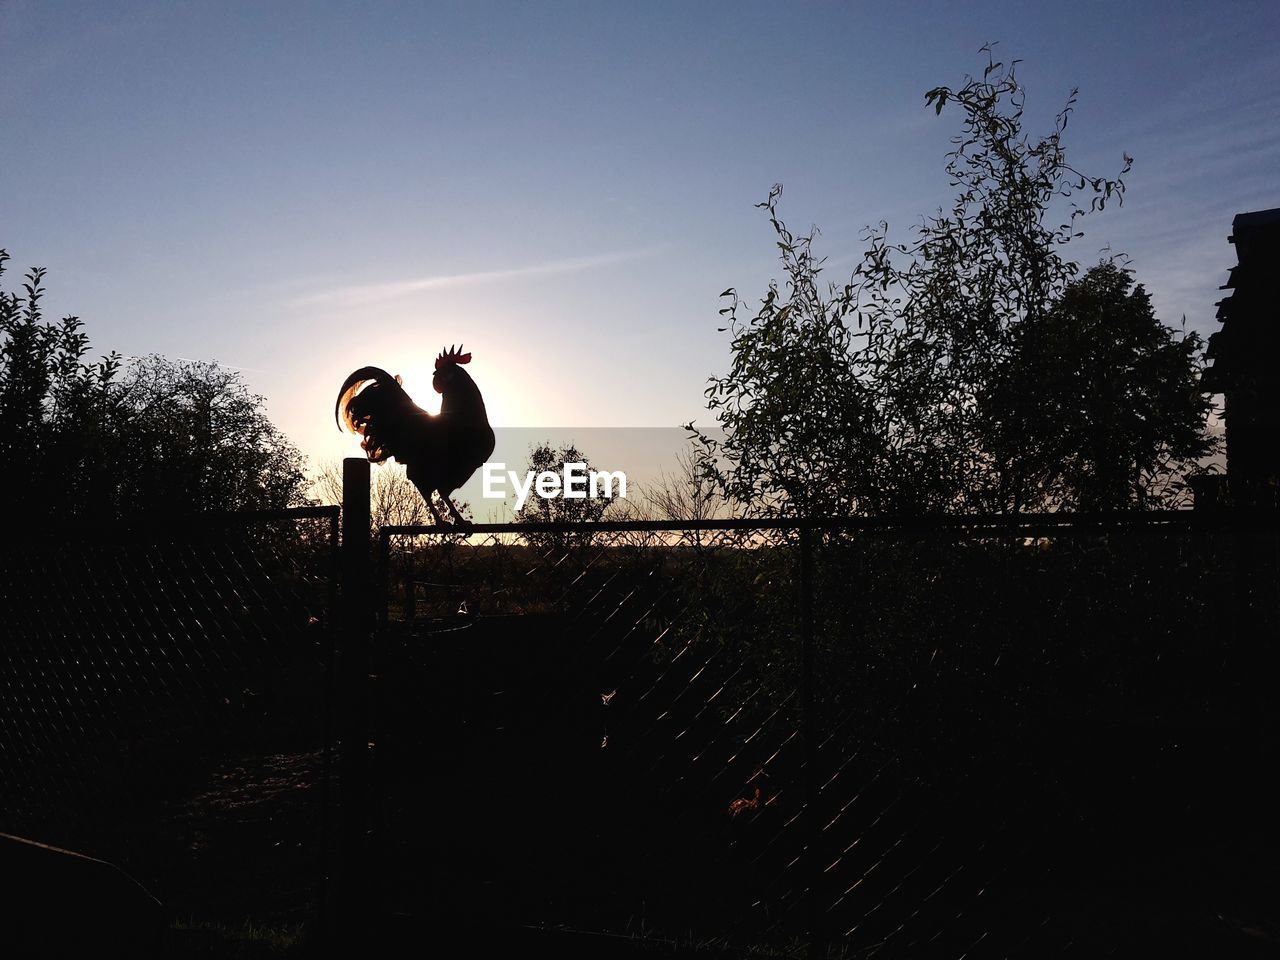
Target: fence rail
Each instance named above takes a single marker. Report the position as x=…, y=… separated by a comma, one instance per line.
x=1066, y=523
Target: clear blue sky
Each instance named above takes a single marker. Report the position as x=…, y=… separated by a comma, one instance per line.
x=300, y=189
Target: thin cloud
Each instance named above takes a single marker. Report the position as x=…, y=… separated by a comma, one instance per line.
x=372, y=292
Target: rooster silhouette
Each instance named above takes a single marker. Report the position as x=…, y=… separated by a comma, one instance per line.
x=440, y=452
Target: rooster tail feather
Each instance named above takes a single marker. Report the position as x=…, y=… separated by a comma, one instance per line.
x=351, y=386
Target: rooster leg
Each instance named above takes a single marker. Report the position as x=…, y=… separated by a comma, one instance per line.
x=435, y=515
x=458, y=519
x=430, y=501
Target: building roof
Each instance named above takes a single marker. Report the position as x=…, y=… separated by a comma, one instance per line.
x=1254, y=232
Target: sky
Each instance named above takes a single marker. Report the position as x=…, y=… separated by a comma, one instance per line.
x=300, y=189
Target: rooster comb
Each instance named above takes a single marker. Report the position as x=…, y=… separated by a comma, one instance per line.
x=452, y=355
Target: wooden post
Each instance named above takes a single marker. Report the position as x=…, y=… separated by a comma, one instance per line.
x=351, y=912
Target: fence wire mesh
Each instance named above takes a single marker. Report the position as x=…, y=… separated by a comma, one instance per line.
x=1041, y=745
x=576, y=708
x=998, y=741
x=163, y=703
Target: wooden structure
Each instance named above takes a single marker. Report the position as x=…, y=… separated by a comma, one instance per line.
x=1244, y=355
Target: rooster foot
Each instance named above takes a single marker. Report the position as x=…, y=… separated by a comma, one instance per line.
x=458, y=519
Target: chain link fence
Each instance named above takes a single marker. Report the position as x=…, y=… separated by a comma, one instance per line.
x=962, y=737
x=163, y=703
x=968, y=737
x=1044, y=741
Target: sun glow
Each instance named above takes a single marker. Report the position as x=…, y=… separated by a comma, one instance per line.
x=510, y=396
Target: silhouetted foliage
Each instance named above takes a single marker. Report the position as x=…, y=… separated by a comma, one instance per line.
x=105, y=439
x=685, y=494
x=393, y=499
x=876, y=395
x=198, y=439
x=1098, y=404
x=559, y=509
x=55, y=407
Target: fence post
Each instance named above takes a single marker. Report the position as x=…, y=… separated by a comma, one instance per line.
x=352, y=907
x=809, y=740
x=384, y=579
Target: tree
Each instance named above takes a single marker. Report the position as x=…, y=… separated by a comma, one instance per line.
x=53, y=405
x=876, y=395
x=685, y=495
x=560, y=509
x=393, y=499
x=1098, y=405
x=197, y=439
x=102, y=440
